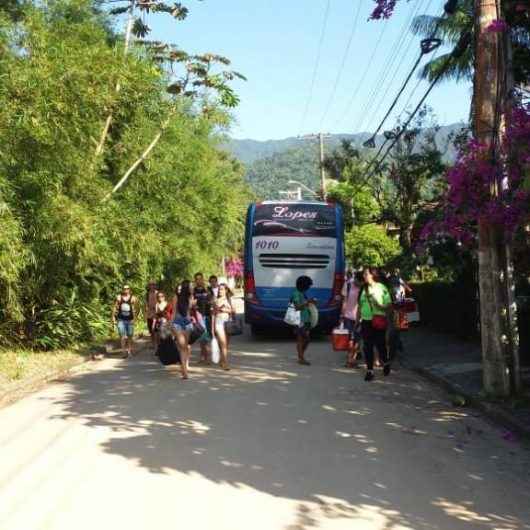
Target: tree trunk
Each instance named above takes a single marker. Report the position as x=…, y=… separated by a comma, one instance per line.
x=495, y=370
x=487, y=97
x=405, y=237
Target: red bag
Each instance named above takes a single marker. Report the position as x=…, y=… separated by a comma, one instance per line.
x=379, y=322
x=402, y=321
x=340, y=338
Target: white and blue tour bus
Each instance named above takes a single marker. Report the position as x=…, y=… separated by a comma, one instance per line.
x=285, y=240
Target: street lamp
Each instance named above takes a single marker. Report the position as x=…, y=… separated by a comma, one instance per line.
x=292, y=195
x=309, y=190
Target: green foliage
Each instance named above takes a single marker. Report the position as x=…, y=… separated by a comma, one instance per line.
x=268, y=176
x=69, y=321
x=413, y=180
x=367, y=243
x=13, y=257
x=370, y=245
x=350, y=188
x=358, y=203
x=64, y=251
x=450, y=29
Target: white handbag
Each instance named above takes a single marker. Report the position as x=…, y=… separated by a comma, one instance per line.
x=292, y=316
x=216, y=351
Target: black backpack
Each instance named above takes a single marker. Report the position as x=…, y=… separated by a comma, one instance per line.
x=168, y=352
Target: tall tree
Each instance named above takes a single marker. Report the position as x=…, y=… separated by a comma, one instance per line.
x=65, y=251
x=413, y=177
x=451, y=28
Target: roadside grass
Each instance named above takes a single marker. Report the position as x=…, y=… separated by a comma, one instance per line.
x=19, y=365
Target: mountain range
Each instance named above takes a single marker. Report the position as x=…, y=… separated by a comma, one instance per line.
x=249, y=151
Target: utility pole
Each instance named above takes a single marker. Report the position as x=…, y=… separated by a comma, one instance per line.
x=322, y=172
x=497, y=306
x=320, y=137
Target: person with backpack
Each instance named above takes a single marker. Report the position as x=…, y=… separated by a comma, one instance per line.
x=374, y=302
x=302, y=303
x=124, y=313
x=399, y=286
x=400, y=289
x=349, y=315
x=204, y=301
x=182, y=323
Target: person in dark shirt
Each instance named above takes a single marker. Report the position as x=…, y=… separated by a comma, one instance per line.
x=203, y=299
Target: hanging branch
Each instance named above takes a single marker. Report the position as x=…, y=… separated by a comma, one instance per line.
x=142, y=157
x=137, y=27
x=128, y=34
x=200, y=68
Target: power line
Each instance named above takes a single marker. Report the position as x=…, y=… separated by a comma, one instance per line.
x=427, y=45
x=390, y=83
x=361, y=80
x=343, y=64
x=317, y=64
x=395, y=51
x=460, y=48
x=414, y=90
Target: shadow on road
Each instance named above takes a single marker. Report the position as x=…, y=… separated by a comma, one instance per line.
x=393, y=453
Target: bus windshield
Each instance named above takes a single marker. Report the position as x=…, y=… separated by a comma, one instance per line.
x=295, y=219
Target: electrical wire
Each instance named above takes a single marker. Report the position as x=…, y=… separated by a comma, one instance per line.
x=387, y=68
x=462, y=44
x=363, y=77
x=317, y=64
x=408, y=78
x=343, y=63
x=391, y=82
x=415, y=89
x=411, y=95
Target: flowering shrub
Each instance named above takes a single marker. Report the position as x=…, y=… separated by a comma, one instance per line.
x=383, y=9
x=483, y=189
x=234, y=268
x=497, y=26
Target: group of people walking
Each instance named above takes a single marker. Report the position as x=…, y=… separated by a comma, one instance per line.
x=369, y=297
x=196, y=312
x=202, y=312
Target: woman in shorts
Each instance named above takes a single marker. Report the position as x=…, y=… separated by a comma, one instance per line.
x=182, y=323
x=222, y=309
x=350, y=316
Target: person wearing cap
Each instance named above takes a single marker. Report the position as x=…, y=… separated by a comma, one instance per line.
x=124, y=314
x=150, y=310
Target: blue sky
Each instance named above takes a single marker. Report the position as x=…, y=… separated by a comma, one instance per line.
x=275, y=44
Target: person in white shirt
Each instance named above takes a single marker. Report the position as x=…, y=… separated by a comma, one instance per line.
x=350, y=315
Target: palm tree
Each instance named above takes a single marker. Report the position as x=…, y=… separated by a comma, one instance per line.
x=451, y=28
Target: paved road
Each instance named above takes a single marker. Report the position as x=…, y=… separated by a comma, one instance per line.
x=270, y=445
